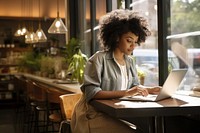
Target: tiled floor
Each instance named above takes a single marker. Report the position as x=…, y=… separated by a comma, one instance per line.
x=10, y=122
x=7, y=121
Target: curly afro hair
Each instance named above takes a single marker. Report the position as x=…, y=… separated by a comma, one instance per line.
x=118, y=22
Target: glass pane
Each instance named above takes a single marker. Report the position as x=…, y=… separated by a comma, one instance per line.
x=146, y=55
x=184, y=39
x=100, y=10
x=147, y=63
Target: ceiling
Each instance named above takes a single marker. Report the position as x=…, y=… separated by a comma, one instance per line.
x=30, y=8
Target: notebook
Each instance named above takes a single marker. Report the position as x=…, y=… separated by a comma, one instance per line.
x=171, y=84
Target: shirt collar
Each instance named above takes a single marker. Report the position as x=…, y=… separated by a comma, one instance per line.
x=110, y=55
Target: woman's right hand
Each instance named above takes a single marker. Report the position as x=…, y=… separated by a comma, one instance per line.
x=137, y=90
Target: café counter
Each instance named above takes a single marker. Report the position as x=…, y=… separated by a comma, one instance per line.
x=53, y=83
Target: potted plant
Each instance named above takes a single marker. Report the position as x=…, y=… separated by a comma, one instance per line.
x=75, y=60
x=73, y=47
x=51, y=66
x=76, y=66
x=141, y=76
x=47, y=66
x=30, y=62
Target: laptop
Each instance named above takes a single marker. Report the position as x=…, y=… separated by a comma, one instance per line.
x=170, y=86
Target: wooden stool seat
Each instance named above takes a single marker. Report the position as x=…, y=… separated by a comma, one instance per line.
x=55, y=117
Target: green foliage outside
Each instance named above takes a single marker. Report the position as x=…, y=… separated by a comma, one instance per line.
x=185, y=18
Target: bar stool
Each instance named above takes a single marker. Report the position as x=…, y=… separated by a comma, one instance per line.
x=20, y=85
x=54, y=113
x=28, y=113
x=36, y=96
x=50, y=110
x=68, y=102
x=40, y=108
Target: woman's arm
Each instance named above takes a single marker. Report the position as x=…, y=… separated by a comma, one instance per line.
x=136, y=90
x=152, y=90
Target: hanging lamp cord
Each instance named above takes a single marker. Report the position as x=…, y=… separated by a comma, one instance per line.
x=58, y=8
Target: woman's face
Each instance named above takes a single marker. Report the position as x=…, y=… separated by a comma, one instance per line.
x=127, y=43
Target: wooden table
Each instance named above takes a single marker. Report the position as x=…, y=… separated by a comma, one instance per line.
x=178, y=105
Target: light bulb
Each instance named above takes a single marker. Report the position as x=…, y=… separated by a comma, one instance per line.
x=18, y=32
x=39, y=34
x=58, y=24
x=31, y=37
x=57, y=27
x=23, y=31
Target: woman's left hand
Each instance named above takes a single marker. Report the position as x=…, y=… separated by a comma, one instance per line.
x=154, y=90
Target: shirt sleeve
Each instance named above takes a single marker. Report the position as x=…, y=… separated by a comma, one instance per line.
x=92, y=77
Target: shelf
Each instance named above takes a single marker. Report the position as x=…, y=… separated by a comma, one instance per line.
x=8, y=65
x=6, y=95
x=4, y=82
x=16, y=49
x=7, y=89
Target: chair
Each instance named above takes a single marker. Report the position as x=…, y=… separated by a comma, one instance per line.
x=68, y=102
x=54, y=116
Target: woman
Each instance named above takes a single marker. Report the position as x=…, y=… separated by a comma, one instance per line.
x=111, y=73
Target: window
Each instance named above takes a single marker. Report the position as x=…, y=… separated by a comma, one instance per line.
x=94, y=9
x=184, y=38
x=146, y=55
x=90, y=13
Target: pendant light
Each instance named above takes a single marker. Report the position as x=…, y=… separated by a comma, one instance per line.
x=40, y=33
x=31, y=37
x=24, y=30
x=18, y=32
x=58, y=27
